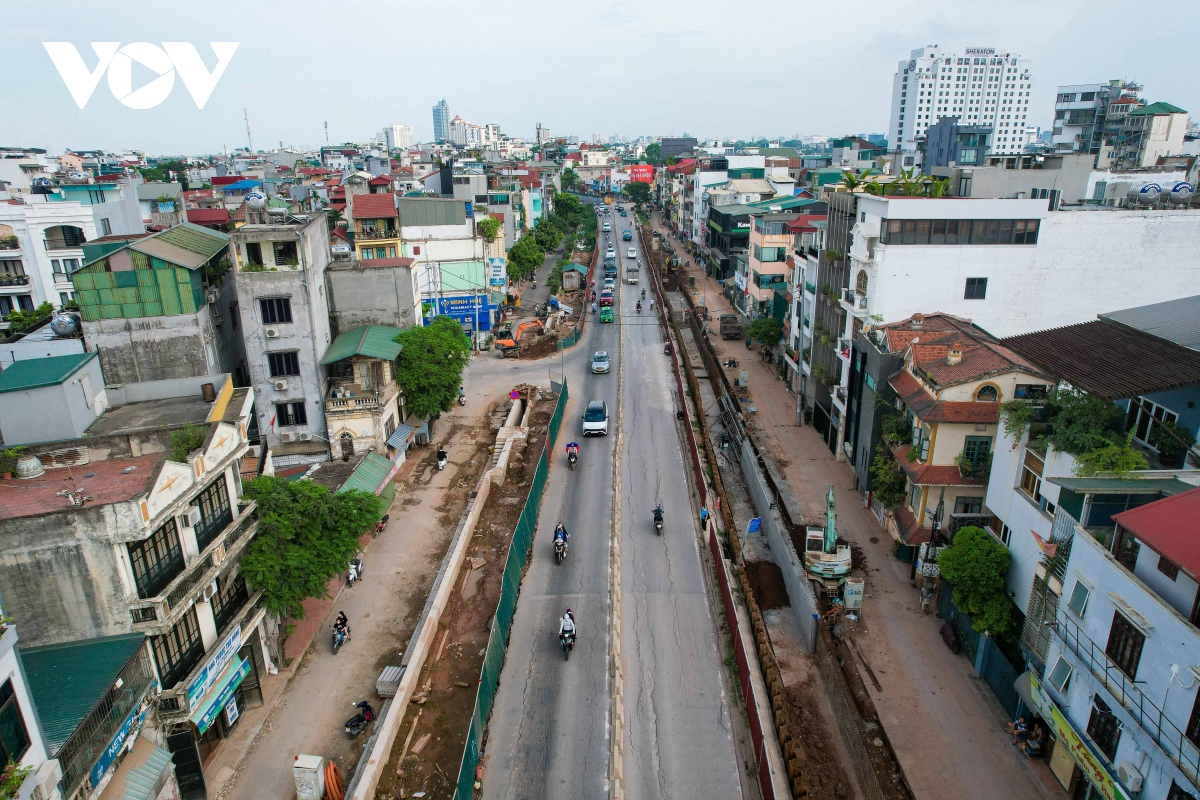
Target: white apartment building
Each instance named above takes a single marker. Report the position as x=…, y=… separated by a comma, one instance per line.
x=20, y=165
x=397, y=137
x=980, y=87
x=1009, y=265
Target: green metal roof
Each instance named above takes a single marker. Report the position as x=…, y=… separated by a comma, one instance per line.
x=68, y=679
x=575, y=267
x=197, y=239
x=789, y=152
x=1102, y=485
x=431, y=211
x=369, y=474
x=30, y=373
x=373, y=341
x=1156, y=108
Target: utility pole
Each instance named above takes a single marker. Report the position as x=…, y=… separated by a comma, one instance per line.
x=249, y=141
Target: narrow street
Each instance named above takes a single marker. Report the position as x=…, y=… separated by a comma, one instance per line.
x=946, y=726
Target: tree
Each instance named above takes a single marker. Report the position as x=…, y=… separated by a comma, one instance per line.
x=975, y=565
x=765, y=330
x=570, y=179
x=638, y=191
x=430, y=366
x=654, y=153
x=887, y=481
x=488, y=228
x=524, y=257
x=306, y=536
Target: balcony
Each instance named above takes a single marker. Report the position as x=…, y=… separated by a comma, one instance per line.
x=843, y=348
x=155, y=615
x=353, y=397
x=9, y=243
x=14, y=280
x=854, y=303
x=372, y=234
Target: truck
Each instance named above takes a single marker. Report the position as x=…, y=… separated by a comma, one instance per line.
x=731, y=328
x=631, y=272
x=510, y=342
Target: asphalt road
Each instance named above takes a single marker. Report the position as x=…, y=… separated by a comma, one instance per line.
x=547, y=736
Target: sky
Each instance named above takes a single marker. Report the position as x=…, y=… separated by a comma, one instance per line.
x=616, y=67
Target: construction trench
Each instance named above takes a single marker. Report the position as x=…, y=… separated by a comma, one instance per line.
x=827, y=724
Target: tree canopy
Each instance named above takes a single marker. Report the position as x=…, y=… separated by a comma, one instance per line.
x=638, y=191
x=766, y=330
x=654, y=153
x=570, y=179
x=524, y=257
x=306, y=536
x=975, y=565
x=430, y=366
x=488, y=228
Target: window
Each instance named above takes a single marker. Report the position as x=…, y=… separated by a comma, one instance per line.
x=177, y=651
x=1034, y=392
x=1060, y=676
x=977, y=450
x=1000, y=530
x=283, y=364
x=156, y=561
x=914, y=498
x=968, y=505
x=1079, y=597
x=1193, y=728
x=860, y=283
x=980, y=231
x=14, y=738
x=1168, y=568
x=230, y=598
x=275, y=310
x=105, y=227
x=1179, y=793
x=290, y=414
x=1125, y=643
x=215, y=513
x=1144, y=413
x=1031, y=476
x=12, y=268
x=987, y=394
x=1103, y=728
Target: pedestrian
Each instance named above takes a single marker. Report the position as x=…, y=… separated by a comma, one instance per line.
x=1018, y=729
x=703, y=516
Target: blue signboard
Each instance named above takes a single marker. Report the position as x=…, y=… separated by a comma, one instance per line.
x=227, y=685
x=467, y=309
x=131, y=725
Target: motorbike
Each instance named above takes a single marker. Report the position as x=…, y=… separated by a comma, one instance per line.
x=566, y=641
x=355, y=570
x=667, y=349
x=441, y=460
x=749, y=343
x=381, y=526
x=572, y=458
x=658, y=521
x=639, y=308
x=731, y=362
x=462, y=398
x=560, y=549
x=340, y=635
x=358, y=723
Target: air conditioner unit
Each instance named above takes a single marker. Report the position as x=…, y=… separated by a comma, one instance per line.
x=212, y=295
x=209, y=592
x=191, y=518
x=1129, y=776
x=271, y=333
x=281, y=386
x=306, y=437
x=287, y=438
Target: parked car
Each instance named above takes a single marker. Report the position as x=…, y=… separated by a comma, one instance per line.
x=595, y=419
x=600, y=362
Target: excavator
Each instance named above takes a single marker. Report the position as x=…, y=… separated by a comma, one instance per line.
x=826, y=561
x=510, y=342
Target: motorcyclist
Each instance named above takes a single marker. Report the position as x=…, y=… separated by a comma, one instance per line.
x=643, y=293
x=658, y=513
x=593, y=306
x=342, y=624
x=560, y=533
x=639, y=306
x=566, y=626
x=573, y=447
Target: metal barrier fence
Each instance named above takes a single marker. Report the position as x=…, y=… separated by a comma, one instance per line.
x=514, y=568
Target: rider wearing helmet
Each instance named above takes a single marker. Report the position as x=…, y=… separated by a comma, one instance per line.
x=566, y=626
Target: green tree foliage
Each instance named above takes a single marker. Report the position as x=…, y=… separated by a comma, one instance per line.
x=570, y=179
x=765, y=330
x=430, y=366
x=1072, y=422
x=306, y=536
x=184, y=441
x=1170, y=439
x=1116, y=459
x=21, y=321
x=654, y=153
x=638, y=191
x=488, y=228
x=547, y=235
x=975, y=565
x=887, y=481
x=524, y=257
x=11, y=779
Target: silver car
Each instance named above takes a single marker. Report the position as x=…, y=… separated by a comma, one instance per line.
x=600, y=362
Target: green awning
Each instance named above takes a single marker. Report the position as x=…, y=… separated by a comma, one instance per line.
x=1102, y=485
x=221, y=693
x=370, y=474
x=373, y=341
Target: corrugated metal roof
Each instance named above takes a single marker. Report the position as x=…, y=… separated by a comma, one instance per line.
x=369, y=475
x=431, y=211
x=199, y=240
x=1156, y=108
x=401, y=436
x=1176, y=321
x=373, y=341
x=1108, y=360
x=30, y=373
x=1103, y=485
x=68, y=679
x=169, y=252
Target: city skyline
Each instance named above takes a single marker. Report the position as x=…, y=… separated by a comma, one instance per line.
x=855, y=98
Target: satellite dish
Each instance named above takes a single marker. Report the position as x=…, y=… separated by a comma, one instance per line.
x=256, y=200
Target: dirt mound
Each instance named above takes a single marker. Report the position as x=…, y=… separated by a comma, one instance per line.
x=766, y=579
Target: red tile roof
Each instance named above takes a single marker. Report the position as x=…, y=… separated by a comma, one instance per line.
x=225, y=180
x=1168, y=527
x=982, y=354
x=906, y=524
x=932, y=474
x=104, y=482
x=374, y=206
x=386, y=262
x=109, y=178
x=382, y=180
x=573, y=157
x=208, y=216
x=930, y=409
x=198, y=194
x=804, y=222
x=340, y=232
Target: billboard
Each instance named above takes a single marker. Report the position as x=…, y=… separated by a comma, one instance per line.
x=641, y=173
x=496, y=272
x=466, y=309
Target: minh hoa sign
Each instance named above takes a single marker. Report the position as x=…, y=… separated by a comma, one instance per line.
x=164, y=61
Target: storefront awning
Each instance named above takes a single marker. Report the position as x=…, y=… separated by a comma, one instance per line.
x=220, y=695
x=401, y=436
x=1021, y=685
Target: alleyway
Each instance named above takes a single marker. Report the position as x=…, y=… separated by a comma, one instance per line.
x=946, y=726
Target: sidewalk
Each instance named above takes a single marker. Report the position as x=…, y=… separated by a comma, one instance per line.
x=946, y=726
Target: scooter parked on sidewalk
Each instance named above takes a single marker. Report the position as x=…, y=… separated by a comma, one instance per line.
x=355, y=570
x=358, y=723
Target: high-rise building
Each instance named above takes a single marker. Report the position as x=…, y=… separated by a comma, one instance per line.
x=441, y=121
x=399, y=137
x=981, y=87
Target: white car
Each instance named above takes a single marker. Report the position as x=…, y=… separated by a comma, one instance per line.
x=595, y=419
x=631, y=253
x=610, y=283
x=610, y=253
x=600, y=362
x=608, y=227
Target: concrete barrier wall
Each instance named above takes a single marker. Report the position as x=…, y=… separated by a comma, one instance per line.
x=783, y=552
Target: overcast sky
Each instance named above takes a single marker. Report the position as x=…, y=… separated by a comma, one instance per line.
x=712, y=69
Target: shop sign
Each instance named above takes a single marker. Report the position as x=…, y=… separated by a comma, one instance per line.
x=740, y=280
x=496, y=272
x=130, y=727
x=465, y=308
x=231, y=679
x=1064, y=731
x=209, y=672
x=231, y=711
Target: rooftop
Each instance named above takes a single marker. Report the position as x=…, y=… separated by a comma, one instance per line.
x=930, y=409
x=67, y=680
x=370, y=474
x=101, y=482
x=1156, y=108
x=374, y=206
x=373, y=263
x=1110, y=360
x=1168, y=527
x=372, y=341
x=1176, y=321
x=151, y=414
x=208, y=216
x=929, y=338
x=33, y=373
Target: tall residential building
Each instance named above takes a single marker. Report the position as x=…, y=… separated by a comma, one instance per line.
x=981, y=87
x=399, y=137
x=441, y=121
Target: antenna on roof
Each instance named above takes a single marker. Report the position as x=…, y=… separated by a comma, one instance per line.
x=246, y=116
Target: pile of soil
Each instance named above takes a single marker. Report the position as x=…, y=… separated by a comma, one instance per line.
x=823, y=773
x=540, y=346
x=435, y=725
x=766, y=580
